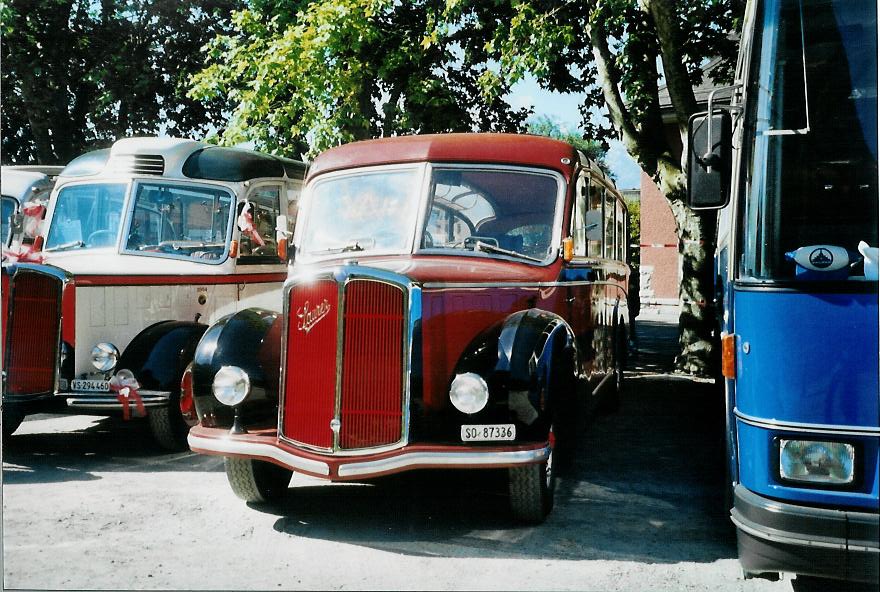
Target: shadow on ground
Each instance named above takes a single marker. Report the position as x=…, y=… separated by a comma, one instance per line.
x=106, y=444
x=645, y=487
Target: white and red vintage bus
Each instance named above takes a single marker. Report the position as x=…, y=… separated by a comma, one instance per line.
x=144, y=245
x=24, y=195
x=453, y=301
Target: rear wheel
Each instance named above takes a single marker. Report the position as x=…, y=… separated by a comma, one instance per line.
x=256, y=480
x=531, y=489
x=12, y=418
x=611, y=401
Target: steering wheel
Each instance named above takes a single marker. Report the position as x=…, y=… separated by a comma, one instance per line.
x=101, y=238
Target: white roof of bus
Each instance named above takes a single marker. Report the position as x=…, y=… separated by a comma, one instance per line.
x=18, y=183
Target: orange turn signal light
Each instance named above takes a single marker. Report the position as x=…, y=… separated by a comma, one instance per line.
x=233, y=249
x=728, y=355
x=281, y=248
x=567, y=249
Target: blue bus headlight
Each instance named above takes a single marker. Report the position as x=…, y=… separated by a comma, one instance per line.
x=829, y=463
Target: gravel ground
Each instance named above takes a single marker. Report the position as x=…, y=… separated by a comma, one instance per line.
x=89, y=503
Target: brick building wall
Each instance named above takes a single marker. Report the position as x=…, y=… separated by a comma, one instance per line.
x=660, y=273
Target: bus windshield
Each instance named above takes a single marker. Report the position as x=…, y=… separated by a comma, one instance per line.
x=812, y=120
x=181, y=221
x=86, y=216
x=492, y=212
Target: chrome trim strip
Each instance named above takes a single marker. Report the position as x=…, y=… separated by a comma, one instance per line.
x=440, y=459
x=460, y=285
x=784, y=539
x=341, y=289
x=598, y=388
x=227, y=446
x=772, y=424
x=108, y=405
x=93, y=400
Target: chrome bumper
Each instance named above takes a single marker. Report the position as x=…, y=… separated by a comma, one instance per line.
x=94, y=401
x=349, y=467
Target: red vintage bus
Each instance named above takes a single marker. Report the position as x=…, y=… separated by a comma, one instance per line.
x=451, y=297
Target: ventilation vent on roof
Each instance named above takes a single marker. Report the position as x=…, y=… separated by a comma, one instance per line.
x=137, y=164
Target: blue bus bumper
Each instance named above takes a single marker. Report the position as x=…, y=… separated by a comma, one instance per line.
x=774, y=536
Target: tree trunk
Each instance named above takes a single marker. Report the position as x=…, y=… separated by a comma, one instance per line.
x=697, y=322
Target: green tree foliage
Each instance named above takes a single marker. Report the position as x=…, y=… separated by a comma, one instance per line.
x=306, y=75
x=547, y=126
x=618, y=51
x=79, y=74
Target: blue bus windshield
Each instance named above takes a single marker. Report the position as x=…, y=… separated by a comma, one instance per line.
x=812, y=122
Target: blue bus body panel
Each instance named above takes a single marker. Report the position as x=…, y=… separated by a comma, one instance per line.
x=812, y=358
x=812, y=361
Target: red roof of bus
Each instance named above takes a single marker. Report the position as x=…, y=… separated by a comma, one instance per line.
x=527, y=150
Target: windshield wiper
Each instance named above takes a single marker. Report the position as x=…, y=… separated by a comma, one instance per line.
x=351, y=246
x=70, y=245
x=490, y=248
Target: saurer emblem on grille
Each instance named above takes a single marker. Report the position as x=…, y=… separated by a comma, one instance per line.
x=309, y=317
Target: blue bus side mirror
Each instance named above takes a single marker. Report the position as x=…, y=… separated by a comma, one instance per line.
x=709, y=160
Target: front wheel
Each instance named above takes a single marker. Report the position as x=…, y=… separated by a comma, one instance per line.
x=256, y=480
x=815, y=584
x=531, y=489
x=168, y=427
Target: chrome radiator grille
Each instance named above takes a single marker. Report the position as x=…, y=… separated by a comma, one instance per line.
x=345, y=371
x=33, y=334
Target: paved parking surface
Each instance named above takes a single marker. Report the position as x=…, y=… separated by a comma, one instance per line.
x=89, y=503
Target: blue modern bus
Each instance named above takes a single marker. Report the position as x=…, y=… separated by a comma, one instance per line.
x=791, y=165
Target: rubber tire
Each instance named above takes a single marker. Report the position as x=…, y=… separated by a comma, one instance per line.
x=168, y=427
x=610, y=402
x=816, y=584
x=11, y=420
x=531, y=489
x=256, y=480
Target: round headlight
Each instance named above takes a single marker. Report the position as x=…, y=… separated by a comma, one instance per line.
x=469, y=392
x=231, y=385
x=105, y=356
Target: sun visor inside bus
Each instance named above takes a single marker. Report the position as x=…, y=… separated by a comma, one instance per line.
x=90, y=163
x=231, y=164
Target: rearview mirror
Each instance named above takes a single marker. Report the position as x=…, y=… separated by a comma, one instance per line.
x=709, y=159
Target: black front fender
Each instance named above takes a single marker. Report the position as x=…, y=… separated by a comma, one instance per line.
x=159, y=354
x=251, y=340
x=528, y=363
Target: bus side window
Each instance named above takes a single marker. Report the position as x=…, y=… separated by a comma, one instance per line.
x=620, y=233
x=594, y=245
x=579, y=215
x=608, y=216
x=266, y=208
